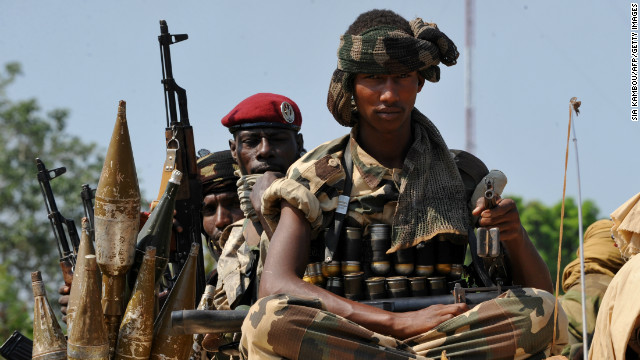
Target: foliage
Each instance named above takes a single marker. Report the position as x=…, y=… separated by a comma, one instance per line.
x=27, y=243
x=543, y=226
x=14, y=313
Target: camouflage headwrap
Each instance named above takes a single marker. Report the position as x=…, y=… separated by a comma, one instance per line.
x=216, y=172
x=386, y=50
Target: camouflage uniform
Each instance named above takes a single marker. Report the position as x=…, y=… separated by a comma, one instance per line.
x=234, y=267
x=519, y=324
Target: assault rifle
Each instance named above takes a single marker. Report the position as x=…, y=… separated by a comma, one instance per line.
x=181, y=155
x=66, y=248
x=216, y=321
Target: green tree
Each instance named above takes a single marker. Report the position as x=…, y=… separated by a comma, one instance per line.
x=543, y=226
x=27, y=243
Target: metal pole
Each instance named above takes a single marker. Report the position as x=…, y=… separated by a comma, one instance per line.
x=585, y=347
x=470, y=143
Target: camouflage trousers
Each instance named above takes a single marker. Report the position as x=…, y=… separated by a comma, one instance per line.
x=517, y=325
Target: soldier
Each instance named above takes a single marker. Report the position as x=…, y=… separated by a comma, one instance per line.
x=602, y=260
x=402, y=175
x=265, y=139
x=220, y=204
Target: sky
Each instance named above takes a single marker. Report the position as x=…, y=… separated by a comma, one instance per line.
x=529, y=59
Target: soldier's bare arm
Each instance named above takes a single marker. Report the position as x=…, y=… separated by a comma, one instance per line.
x=528, y=267
x=284, y=267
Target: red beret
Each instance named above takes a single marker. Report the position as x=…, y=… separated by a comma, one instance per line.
x=264, y=110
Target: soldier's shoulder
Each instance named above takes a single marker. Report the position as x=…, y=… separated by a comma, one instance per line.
x=323, y=160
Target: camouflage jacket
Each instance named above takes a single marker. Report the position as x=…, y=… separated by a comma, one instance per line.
x=315, y=181
x=235, y=266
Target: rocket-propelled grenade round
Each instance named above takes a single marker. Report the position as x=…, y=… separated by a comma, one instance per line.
x=85, y=248
x=48, y=340
x=117, y=221
x=182, y=297
x=88, y=336
x=136, y=331
x=117, y=206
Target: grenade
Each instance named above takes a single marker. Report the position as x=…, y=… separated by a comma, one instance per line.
x=85, y=248
x=117, y=220
x=88, y=338
x=136, y=330
x=425, y=264
x=48, y=340
x=182, y=297
x=380, y=243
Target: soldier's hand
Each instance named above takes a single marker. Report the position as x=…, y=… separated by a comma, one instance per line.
x=504, y=216
x=261, y=185
x=64, y=290
x=413, y=323
x=176, y=224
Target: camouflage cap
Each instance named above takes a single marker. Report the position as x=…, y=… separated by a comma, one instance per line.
x=216, y=172
x=387, y=50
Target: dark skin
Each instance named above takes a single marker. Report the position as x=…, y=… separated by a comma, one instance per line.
x=527, y=266
x=258, y=150
x=384, y=104
x=264, y=150
x=220, y=210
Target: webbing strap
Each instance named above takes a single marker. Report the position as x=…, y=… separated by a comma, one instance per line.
x=333, y=234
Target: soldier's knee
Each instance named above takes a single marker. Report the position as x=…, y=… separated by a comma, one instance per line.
x=271, y=308
x=269, y=317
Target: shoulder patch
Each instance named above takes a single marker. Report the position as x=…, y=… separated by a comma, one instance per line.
x=326, y=167
x=326, y=170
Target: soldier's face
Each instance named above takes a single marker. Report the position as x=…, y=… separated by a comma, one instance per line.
x=385, y=102
x=218, y=211
x=265, y=149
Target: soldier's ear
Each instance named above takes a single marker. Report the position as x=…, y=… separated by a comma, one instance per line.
x=420, y=82
x=232, y=147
